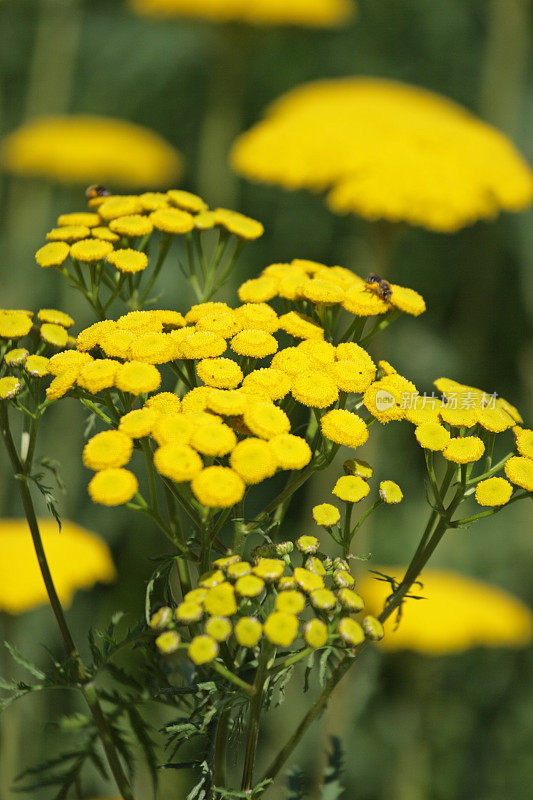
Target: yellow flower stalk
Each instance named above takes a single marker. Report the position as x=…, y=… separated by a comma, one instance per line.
x=319, y=13
x=81, y=149
x=386, y=150
x=78, y=559
x=456, y=613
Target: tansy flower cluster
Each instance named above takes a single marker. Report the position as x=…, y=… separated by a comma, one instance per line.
x=382, y=149
x=26, y=343
x=98, y=249
x=247, y=604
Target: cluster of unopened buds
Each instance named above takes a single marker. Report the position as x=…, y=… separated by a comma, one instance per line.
x=241, y=602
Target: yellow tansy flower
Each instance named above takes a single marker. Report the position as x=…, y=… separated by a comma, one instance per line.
x=387, y=398
x=86, y=218
x=56, y=317
x=352, y=377
x=186, y=200
x=258, y=290
x=113, y=487
x=215, y=439
x=248, y=631
x=14, y=324
x=308, y=581
x=432, y=436
x=249, y=586
x=315, y=633
x=9, y=387
x=253, y=460
x=493, y=492
x=131, y=225
x=290, y=602
x=326, y=515
x=519, y=470
x=307, y=544
x=68, y=233
x=52, y=254
x=98, y=375
x=407, y=300
x=90, y=250
x=350, y=631
x=290, y=452
x=254, y=343
x=524, y=441
x=17, y=357
x=61, y=384
x=102, y=232
x=164, y=402
x=390, y=492
x=202, y=344
x=137, y=378
x=172, y=220
x=77, y=558
x=300, y=326
x=177, y=461
x=220, y=373
x=107, y=449
x=269, y=381
x=351, y=488
x=265, y=419
x=218, y=627
x=189, y=611
x=203, y=649
x=218, y=487
x=269, y=569
x=238, y=224
x=36, y=366
x=138, y=423
x=128, y=260
x=281, y=628
x=168, y=642
x=350, y=600
x=55, y=335
x=314, y=389
x=344, y=427
x=220, y=600
x=257, y=317
x=68, y=359
x=229, y=403
x=464, y=450
x=323, y=599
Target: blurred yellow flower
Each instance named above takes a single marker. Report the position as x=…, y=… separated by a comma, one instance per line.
x=319, y=13
x=386, y=150
x=457, y=613
x=88, y=149
x=77, y=558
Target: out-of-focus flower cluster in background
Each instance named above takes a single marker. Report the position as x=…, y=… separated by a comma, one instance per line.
x=385, y=136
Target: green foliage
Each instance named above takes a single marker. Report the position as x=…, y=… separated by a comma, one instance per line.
x=331, y=788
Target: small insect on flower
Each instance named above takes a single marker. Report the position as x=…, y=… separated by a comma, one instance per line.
x=379, y=285
x=96, y=190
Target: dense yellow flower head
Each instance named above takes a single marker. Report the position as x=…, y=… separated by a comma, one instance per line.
x=318, y=13
x=90, y=149
x=387, y=150
x=457, y=613
x=77, y=559
x=344, y=427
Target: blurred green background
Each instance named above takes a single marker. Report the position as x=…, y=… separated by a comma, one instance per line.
x=414, y=728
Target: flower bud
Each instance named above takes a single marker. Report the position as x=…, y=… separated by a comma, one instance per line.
x=168, y=642
x=373, y=629
x=161, y=618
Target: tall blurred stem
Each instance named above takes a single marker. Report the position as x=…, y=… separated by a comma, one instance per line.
x=504, y=70
x=223, y=116
x=49, y=88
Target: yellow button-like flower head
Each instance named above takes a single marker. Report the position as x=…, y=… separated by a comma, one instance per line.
x=281, y=628
x=113, y=487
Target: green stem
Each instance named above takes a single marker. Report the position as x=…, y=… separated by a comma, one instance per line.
x=419, y=560
x=221, y=745
x=256, y=703
x=164, y=247
x=88, y=690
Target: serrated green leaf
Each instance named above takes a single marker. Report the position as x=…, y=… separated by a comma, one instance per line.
x=24, y=662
